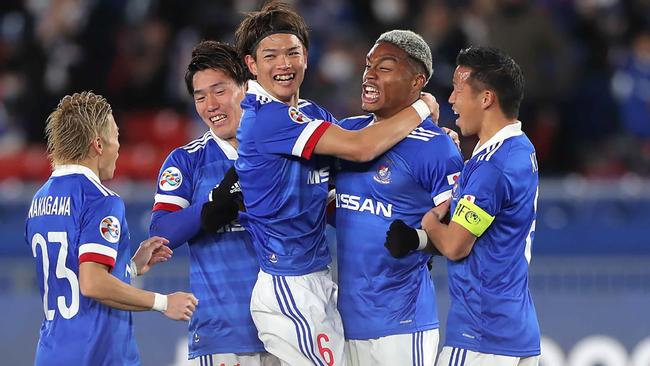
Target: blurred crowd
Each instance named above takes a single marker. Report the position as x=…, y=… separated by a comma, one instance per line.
x=586, y=62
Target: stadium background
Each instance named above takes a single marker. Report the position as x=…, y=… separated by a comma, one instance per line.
x=587, y=109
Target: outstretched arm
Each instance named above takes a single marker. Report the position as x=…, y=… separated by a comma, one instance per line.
x=177, y=226
x=96, y=282
x=372, y=141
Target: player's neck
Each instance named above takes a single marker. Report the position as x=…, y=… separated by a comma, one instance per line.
x=89, y=162
x=389, y=112
x=293, y=101
x=233, y=142
x=491, y=125
x=381, y=115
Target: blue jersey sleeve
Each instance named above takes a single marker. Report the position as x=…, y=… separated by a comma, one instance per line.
x=175, y=217
x=487, y=188
x=101, y=230
x=356, y=122
x=175, y=186
x=286, y=130
x=439, y=174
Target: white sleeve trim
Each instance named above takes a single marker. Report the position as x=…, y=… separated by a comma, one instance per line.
x=178, y=201
x=97, y=249
x=299, y=146
x=442, y=197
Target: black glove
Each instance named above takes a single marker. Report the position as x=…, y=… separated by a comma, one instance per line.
x=401, y=239
x=228, y=189
x=226, y=199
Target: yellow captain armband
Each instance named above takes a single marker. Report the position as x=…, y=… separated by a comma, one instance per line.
x=471, y=217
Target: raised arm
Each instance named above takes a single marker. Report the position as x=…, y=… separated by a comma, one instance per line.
x=372, y=141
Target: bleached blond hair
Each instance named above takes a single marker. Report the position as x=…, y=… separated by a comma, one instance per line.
x=74, y=124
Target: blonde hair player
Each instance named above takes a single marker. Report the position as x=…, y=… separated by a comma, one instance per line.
x=77, y=231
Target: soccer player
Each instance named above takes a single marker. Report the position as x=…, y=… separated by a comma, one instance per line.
x=492, y=318
x=388, y=305
x=79, y=237
x=223, y=265
x=284, y=176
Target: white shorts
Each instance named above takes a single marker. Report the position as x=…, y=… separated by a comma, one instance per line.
x=236, y=359
x=462, y=357
x=418, y=349
x=297, y=319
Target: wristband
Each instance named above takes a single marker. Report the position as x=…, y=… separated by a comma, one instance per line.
x=421, y=107
x=159, y=302
x=424, y=239
x=133, y=268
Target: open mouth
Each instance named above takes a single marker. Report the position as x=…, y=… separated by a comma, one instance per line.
x=218, y=118
x=370, y=94
x=284, y=77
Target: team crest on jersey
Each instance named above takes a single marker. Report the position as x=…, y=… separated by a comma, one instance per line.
x=170, y=179
x=298, y=116
x=109, y=228
x=383, y=174
x=273, y=258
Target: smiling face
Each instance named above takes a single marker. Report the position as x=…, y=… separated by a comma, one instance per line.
x=466, y=102
x=217, y=99
x=390, y=82
x=279, y=64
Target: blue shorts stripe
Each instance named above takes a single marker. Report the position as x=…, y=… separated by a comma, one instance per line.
x=462, y=362
x=451, y=357
x=310, y=338
x=299, y=334
x=418, y=347
x=413, y=348
x=422, y=348
x=458, y=352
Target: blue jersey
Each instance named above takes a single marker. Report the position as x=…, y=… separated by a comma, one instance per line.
x=284, y=186
x=73, y=218
x=491, y=308
x=223, y=266
x=378, y=294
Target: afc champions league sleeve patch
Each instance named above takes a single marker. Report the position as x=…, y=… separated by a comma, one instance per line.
x=297, y=116
x=109, y=228
x=170, y=179
x=471, y=217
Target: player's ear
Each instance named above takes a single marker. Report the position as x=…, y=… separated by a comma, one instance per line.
x=96, y=145
x=419, y=81
x=251, y=64
x=487, y=98
x=306, y=56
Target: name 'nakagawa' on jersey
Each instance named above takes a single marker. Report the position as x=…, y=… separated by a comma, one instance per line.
x=285, y=187
x=73, y=219
x=223, y=266
x=378, y=294
x=496, y=199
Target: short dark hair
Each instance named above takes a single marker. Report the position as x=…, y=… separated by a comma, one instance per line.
x=218, y=56
x=275, y=17
x=493, y=69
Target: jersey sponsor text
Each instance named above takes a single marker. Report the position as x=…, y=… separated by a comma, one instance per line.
x=356, y=203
